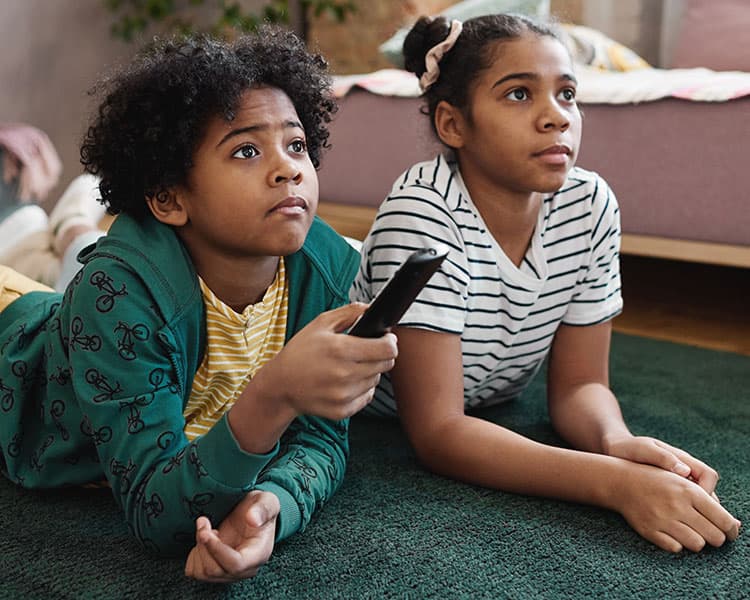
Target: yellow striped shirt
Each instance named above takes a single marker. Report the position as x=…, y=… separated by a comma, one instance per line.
x=237, y=346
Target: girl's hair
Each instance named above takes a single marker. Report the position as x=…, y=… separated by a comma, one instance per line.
x=155, y=112
x=472, y=53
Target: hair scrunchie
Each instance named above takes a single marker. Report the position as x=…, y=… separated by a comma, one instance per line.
x=435, y=54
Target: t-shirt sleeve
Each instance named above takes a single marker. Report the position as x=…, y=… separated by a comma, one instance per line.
x=598, y=295
x=416, y=218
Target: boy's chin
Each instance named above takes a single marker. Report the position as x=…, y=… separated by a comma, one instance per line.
x=291, y=244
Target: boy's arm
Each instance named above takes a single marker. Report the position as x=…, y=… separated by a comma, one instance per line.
x=321, y=371
x=428, y=383
x=308, y=470
x=127, y=378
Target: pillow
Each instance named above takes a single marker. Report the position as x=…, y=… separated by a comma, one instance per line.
x=590, y=47
x=463, y=11
x=714, y=34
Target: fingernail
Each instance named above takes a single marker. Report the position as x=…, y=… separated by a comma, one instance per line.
x=681, y=469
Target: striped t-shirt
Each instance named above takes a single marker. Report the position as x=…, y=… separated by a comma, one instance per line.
x=237, y=346
x=506, y=315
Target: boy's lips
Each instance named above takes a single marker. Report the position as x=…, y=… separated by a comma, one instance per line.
x=293, y=205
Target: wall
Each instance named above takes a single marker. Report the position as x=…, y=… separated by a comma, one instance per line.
x=352, y=47
x=52, y=52
x=635, y=23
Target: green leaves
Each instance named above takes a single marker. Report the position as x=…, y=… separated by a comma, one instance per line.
x=228, y=17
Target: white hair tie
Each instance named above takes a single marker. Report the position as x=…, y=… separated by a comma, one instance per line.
x=435, y=54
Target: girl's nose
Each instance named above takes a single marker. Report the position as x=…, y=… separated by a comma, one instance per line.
x=554, y=117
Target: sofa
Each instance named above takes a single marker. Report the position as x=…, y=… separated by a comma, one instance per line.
x=672, y=143
x=679, y=169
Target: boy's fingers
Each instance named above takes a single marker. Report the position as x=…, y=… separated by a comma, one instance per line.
x=342, y=318
x=202, y=526
x=227, y=558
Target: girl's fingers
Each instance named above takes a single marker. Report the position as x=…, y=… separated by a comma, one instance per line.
x=665, y=542
x=700, y=472
x=686, y=536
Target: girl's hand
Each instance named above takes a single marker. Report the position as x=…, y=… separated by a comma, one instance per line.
x=672, y=511
x=325, y=373
x=242, y=544
x=650, y=451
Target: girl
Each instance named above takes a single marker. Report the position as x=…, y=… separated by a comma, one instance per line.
x=532, y=271
x=188, y=363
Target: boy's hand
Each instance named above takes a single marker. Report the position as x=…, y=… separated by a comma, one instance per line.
x=242, y=544
x=650, y=451
x=672, y=511
x=324, y=373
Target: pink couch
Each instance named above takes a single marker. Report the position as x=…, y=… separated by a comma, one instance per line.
x=679, y=169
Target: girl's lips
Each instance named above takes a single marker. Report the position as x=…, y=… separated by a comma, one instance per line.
x=557, y=154
x=555, y=149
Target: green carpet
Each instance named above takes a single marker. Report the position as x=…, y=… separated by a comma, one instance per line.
x=394, y=531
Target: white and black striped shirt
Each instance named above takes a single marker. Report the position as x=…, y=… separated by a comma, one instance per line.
x=506, y=315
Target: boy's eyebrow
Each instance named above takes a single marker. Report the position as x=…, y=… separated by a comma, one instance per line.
x=533, y=77
x=251, y=128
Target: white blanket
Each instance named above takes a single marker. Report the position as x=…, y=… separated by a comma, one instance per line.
x=595, y=87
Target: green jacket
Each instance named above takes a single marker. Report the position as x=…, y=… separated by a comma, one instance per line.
x=93, y=385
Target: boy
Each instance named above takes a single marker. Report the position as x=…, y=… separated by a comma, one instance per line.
x=188, y=363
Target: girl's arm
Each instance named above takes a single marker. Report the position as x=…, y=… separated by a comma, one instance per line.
x=428, y=383
x=586, y=413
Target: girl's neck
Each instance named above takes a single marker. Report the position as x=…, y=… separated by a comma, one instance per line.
x=511, y=217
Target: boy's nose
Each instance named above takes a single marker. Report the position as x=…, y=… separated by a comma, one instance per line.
x=296, y=177
x=286, y=170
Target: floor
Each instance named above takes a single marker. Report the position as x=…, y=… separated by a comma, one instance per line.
x=691, y=303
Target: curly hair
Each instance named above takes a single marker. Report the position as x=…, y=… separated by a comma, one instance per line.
x=155, y=111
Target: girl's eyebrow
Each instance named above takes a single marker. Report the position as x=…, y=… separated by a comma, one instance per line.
x=533, y=77
x=250, y=128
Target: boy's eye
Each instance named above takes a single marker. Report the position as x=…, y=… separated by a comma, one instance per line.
x=518, y=94
x=298, y=146
x=568, y=95
x=246, y=151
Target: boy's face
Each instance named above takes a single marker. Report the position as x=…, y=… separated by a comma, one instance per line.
x=252, y=190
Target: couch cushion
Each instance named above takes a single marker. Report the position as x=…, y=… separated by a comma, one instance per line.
x=463, y=11
x=714, y=34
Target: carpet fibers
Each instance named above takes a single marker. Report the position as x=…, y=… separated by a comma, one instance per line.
x=395, y=531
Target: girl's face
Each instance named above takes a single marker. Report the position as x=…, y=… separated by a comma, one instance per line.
x=252, y=190
x=523, y=130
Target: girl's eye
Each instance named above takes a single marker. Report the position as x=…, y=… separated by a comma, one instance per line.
x=246, y=151
x=518, y=94
x=568, y=95
x=298, y=146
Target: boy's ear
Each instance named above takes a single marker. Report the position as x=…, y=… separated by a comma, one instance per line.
x=450, y=124
x=168, y=207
